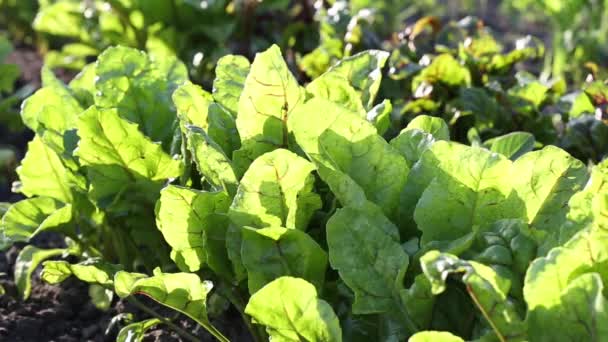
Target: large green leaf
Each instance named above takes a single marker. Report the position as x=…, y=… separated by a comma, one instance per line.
x=337, y=139
x=230, y=74
x=27, y=261
x=364, y=73
x=272, y=252
x=270, y=94
x=545, y=181
x=290, y=310
x=277, y=190
x=364, y=248
x=190, y=221
x=456, y=199
x=564, y=290
x=119, y=157
x=139, y=87
x=26, y=218
x=43, y=173
x=183, y=292
x=487, y=289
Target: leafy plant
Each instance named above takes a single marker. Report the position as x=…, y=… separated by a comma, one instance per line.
x=290, y=204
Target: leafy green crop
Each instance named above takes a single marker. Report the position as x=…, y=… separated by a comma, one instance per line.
x=287, y=201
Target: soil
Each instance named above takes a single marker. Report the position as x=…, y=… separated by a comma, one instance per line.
x=64, y=312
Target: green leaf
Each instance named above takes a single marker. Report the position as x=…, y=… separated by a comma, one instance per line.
x=230, y=74
x=196, y=107
x=364, y=248
x=546, y=180
x=443, y=69
x=26, y=218
x=431, y=125
x=100, y=296
x=270, y=253
x=487, y=290
x=277, y=190
x=9, y=74
x=135, y=332
x=52, y=112
x=63, y=18
x=512, y=145
x=291, y=311
x=341, y=141
x=192, y=104
x=364, y=73
x=581, y=212
x=564, y=290
x=455, y=200
x=27, y=261
x=211, y=161
x=139, y=88
x=189, y=221
x=380, y=116
x=412, y=143
x=183, y=292
x=119, y=157
x=270, y=94
x=83, y=85
x=508, y=247
x=337, y=89
x=92, y=271
x=43, y=173
x=435, y=336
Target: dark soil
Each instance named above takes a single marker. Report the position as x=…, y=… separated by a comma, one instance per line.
x=65, y=312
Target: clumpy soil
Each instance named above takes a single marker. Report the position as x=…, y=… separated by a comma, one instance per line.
x=64, y=313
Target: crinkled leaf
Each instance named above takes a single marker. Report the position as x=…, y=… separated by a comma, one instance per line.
x=564, y=290
x=27, y=261
x=119, y=157
x=545, y=181
x=190, y=220
x=455, y=199
x=364, y=248
x=230, y=74
x=270, y=94
x=337, y=139
x=290, y=310
x=272, y=252
x=364, y=73
x=139, y=87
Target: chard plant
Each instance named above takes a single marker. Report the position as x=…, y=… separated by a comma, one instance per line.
x=287, y=202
